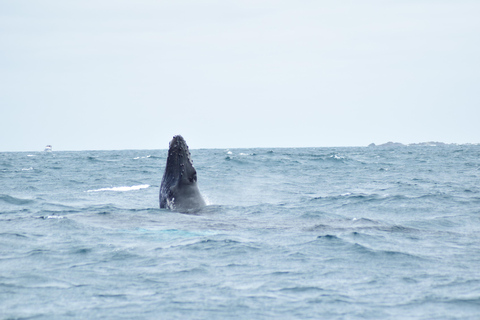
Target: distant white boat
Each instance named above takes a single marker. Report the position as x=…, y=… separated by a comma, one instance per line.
x=48, y=148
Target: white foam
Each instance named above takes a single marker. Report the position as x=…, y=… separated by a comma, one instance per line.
x=207, y=200
x=50, y=217
x=27, y=169
x=122, y=189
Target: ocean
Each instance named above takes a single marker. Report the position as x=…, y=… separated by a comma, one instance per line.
x=307, y=233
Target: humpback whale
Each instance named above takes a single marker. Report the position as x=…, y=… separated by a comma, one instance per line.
x=179, y=190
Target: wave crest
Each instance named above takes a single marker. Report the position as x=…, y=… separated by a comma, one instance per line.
x=122, y=189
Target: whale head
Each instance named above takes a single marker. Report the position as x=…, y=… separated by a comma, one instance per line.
x=179, y=161
x=179, y=189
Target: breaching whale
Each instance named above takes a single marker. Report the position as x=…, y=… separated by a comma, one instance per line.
x=179, y=190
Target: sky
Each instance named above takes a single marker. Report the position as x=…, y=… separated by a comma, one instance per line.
x=116, y=74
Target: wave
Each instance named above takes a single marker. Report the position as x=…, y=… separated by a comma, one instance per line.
x=225, y=247
x=50, y=217
x=122, y=189
x=235, y=159
x=95, y=159
x=13, y=234
x=336, y=157
x=354, y=225
x=12, y=200
x=302, y=289
x=359, y=198
x=356, y=243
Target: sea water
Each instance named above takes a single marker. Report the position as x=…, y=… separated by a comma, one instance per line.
x=311, y=233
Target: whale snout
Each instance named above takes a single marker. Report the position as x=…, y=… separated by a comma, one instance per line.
x=177, y=142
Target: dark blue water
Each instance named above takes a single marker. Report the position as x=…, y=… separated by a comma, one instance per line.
x=321, y=233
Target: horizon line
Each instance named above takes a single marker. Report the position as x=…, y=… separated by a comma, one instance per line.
x=386, y=144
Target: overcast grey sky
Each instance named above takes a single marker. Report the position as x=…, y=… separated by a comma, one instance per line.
x=114, y=74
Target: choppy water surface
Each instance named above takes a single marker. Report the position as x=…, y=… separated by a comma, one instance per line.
x=332, y=233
